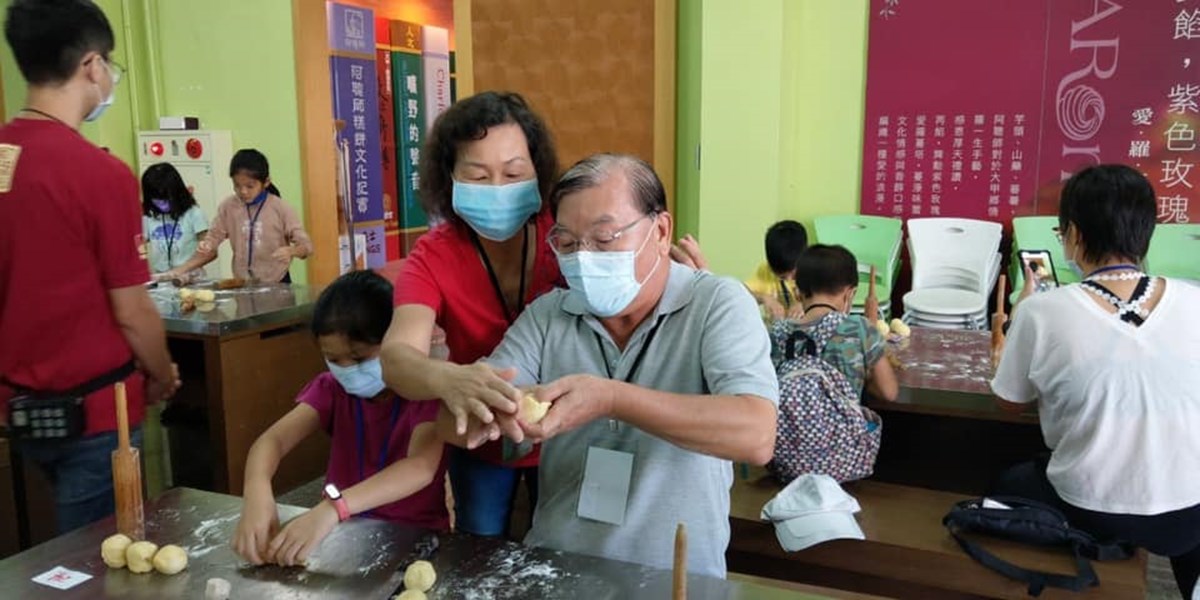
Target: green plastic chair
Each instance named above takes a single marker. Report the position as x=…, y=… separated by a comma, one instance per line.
x=1174, y=248
x=872, y=240
x=1037, y=233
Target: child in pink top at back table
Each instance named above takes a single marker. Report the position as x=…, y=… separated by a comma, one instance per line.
x=264, y=232
x=385, y=458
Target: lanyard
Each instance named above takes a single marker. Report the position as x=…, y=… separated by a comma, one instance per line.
x=170, y=236
x=361, y=431
x=787, y=297
x=261, y=201
x=637, y=362
x=1122, y=267
x=509, y=315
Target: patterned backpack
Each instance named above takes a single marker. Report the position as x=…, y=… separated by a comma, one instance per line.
x=823, y=428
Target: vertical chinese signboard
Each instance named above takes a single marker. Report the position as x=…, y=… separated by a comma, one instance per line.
x=356, y=104
x=981, y=110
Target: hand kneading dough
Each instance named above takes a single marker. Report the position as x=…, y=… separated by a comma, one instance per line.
x=216, y=589
x=138, y=556
x=531, y=411
x=112, y=550
x=420, y=575
x=882, y=327
x=900, y=328
x=170, y=560
x=411, y=595
x=205, y=296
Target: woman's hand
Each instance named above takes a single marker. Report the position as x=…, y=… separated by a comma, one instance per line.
x=687, y=252
x=477, y=389
x=775, y=308
x=1030, y=284
x=302, y=535
x=796, y=312
x=284, y=254
x=260, y=521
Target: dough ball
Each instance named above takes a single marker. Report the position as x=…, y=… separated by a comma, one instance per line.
x=411, y=595
x=882, y=327
x=187, y=293
x=532, y=411
x=900, y=328
x=419, y=576
x=138, y=556
x=216, y=589
x=205, y=296
x=170, y=559
x=205, y=306
x=112, y=550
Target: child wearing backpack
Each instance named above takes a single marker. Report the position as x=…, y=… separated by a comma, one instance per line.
x=825, y=361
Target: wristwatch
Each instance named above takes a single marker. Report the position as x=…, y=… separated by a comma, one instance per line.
x=334, y=495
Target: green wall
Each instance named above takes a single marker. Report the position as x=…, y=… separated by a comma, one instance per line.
x=778, y=118
x=229, y=62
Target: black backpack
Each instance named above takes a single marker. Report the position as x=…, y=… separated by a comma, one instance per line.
x=1030, y=522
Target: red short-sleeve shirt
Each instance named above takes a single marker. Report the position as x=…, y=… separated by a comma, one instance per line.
x=70, y=231
x=444, y=272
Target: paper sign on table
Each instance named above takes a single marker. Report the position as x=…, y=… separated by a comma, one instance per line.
x=61, y=578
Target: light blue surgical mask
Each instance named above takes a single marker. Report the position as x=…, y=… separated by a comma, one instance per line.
x=496, y=212
x=100, y=108
x=364, y=379
x=1071, y=264
x=607, y=281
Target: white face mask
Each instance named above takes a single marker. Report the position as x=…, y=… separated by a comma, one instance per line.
x=607, y=281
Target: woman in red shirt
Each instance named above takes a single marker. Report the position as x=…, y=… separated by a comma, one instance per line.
x=487, y=165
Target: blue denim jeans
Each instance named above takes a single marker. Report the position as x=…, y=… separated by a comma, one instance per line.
x=484, y=493
x=80, y=472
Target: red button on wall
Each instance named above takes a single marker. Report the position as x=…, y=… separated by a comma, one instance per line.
x=194, y=148
x=156, y=148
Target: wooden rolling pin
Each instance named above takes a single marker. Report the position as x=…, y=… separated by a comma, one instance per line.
x=998, y=321
x=127, y=476
x=679, y=573
x=871, y=304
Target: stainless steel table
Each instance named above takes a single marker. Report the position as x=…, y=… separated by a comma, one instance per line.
x=360, y=559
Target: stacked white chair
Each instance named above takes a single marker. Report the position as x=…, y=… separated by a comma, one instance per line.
x=955, y=264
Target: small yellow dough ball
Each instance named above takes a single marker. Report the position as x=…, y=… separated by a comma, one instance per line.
x=205, y=296
x=170, y=559
x=532, y=411
x=900, y=328
x=206, y=306
x=882, y=327
x=186, y=293
x=112, y=550
x=411, y=595
x=138, y=556
x=419, y=576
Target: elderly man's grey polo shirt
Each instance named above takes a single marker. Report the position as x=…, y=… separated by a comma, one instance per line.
x=709, y=340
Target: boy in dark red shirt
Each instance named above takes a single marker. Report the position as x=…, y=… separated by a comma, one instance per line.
x=74, y=312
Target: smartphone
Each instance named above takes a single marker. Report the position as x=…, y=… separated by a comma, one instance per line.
x=1042, y=266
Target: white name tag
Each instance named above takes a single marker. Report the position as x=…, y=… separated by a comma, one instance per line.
x=605, y=488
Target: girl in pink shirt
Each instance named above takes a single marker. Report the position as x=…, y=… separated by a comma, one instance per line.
x=385, y=458
x=264, y=232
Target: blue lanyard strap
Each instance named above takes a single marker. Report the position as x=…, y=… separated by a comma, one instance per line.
x=261, y=201
x=1121, y=267
x=361, y=427
x=170, y=233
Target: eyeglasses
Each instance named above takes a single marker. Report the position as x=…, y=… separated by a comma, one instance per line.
x=1058, y=234
x=117, y=70
x=599, y=239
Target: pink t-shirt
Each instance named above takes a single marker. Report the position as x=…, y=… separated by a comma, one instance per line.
x=348, y=465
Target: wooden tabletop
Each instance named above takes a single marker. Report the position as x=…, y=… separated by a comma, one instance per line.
x=946, y=372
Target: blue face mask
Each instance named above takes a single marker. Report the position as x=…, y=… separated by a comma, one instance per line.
x=1071, y=264
x=163, y=206
x=607, y=281
x=364, y=379
x=496, y=212
x=100, y=108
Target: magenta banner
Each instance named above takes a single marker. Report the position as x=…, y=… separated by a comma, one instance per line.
x=982, y=109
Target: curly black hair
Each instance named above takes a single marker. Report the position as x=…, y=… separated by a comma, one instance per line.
x=468, y=120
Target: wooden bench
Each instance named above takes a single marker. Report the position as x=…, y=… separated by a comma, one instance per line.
x=907, y=552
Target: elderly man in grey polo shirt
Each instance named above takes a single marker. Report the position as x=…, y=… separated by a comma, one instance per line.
x=659, y=376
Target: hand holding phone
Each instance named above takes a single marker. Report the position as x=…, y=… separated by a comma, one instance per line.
x=1041, y=266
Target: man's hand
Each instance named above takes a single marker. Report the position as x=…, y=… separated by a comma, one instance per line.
x=576, y=400
x=302, y=535
x=159, y=390
x=284, y=254
x=687, y=252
